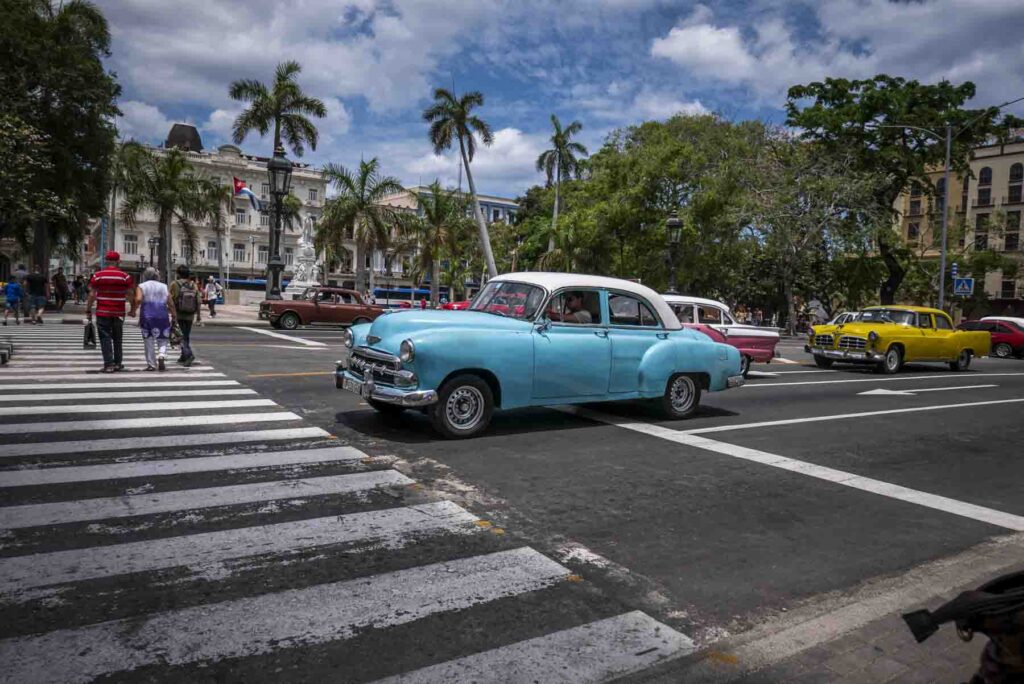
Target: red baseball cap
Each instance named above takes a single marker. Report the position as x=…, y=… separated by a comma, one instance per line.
x=113, y=256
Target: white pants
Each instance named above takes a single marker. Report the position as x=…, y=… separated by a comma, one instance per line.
x=156, y=347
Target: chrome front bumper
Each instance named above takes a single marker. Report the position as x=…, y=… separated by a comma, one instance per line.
x=844, y=355
x=388, y=395
x=735, y=381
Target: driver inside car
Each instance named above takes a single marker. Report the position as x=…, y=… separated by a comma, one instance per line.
x=573, y=311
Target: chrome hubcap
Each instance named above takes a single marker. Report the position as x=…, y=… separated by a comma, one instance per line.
x=893, y=359
x=681, y=394
x=1002, y=351
x=464, y=408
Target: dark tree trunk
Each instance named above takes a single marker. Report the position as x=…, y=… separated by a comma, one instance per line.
x=41, y=246
x=887, y=292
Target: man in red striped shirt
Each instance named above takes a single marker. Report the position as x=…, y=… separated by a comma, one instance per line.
x=109, y=289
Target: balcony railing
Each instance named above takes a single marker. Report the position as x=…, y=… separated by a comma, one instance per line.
x=1013, y=199
x=982, y=202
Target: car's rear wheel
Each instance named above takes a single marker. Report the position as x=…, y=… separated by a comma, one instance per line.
x=289, y=321
x=962, y=363
x=682, y=396
x=1003, y=350
x=744, y=365
x=822, y=362
x=464, y=407
x=892, y=362
x=385, y=408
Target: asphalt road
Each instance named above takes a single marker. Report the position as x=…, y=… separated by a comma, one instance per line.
x=795, y=487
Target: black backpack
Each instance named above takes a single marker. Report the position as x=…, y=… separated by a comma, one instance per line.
x=188, y=298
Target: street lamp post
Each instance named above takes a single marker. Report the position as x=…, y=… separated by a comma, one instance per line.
x=673, y=234
x=252, y=257
x=280, y=171
x=153, y=242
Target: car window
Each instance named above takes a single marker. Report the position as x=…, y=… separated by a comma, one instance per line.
x=924, y=320
x=345, y=298
x=575, y=307
x=626, y=310
x=708, y=314
x=727, y=318
x=684, y=312
x=1003, y=328
x=942, y=323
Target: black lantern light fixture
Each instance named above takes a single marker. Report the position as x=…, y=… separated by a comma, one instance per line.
x=673, y=235
x=153, y=242
x=279, y=168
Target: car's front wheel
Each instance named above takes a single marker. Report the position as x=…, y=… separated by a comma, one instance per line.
x=1003, y=350
x=682, y=396
x=289, y=321
x=822, y=362
x=892, y=362
x=962, y=363
x=464, y=407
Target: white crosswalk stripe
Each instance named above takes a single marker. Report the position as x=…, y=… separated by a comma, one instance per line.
x=213, y=495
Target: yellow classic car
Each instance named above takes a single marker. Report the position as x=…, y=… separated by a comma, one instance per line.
x=889, y=336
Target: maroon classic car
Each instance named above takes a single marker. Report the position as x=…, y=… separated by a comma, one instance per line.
x=324, y=305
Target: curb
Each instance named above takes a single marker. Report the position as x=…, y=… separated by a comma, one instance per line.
x=227, y=323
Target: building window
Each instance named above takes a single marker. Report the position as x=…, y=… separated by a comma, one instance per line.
x=289, y=256
x=496, y=215
x=963, y=194
x=984, y=197
x=1017, y=173
x=265, y=190
x=262, y=253
x=312, y=194
x=238, y=251
x=131, y=244
x=915, y=190
x=1011, y=243
x=186, y=252
x=1008, y=289
x=913, y=231
x=264, y=219
x=915, y=207
x=1015, y=194
x=211, y=250
x=239, y=217
x=985, y=176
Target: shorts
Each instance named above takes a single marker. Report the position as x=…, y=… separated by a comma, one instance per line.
x=12, y=304
x=37, y=302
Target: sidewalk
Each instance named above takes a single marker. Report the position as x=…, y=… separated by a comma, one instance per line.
x=227, y=314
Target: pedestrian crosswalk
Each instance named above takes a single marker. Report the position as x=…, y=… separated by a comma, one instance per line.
x=179, y=526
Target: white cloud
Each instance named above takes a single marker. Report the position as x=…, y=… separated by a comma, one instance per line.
x=142, y=122
x=622, y=103
x=707, y=51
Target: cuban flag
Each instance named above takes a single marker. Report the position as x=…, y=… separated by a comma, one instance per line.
x=240, y=189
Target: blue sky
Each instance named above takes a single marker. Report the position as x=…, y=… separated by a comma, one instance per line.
x=607, y=63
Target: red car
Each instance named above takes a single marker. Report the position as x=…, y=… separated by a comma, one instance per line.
x=330, y=305
x=1007, y=336
x=456, y=306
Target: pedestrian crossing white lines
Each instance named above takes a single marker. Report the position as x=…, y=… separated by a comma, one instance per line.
x=199, y=551
x=224, y=529
x=34, y=515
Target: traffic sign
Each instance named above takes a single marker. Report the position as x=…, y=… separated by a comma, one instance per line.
x=952, y=270
x=963, y=287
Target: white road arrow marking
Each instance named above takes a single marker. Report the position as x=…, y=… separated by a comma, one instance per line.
x=912, y=392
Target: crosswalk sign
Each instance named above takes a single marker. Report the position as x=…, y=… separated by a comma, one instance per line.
x=963, y=287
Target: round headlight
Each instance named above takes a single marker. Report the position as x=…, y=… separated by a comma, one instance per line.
x=407, y=352
x=873, y=336
x=346, y=338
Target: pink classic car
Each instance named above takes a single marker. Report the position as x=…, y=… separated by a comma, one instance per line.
x=755, y=343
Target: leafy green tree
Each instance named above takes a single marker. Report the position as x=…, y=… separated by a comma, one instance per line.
x=561, y=161
x=163, y=184
x=283, y=107
x=452, y=119
x=443, y=212
x=871, y=119
x=23, y=166
x=53, y=78
x=357, y=212
x=216, y=207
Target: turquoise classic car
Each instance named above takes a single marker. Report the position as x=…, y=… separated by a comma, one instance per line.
x=534, y=339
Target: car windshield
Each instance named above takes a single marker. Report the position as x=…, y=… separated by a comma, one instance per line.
x=516, y=300
x=898, y=316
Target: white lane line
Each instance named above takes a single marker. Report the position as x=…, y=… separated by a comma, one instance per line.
x=158, y=381
x=271, y=333
x=904, y=378
x=134, y=407
x=33, y=515
x=893, y=491
x=149, y=394
x=911, y=392
x=176, y=466
x=847, y=416
x=206, y=552
x=796, y=372
x=145, y=423
x=141, y=443
x=594, y=652
x=297, y=617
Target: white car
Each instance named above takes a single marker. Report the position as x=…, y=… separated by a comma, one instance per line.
x=754, y=342
x=1013, y=319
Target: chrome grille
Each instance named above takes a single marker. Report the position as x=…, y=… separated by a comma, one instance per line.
x=379, y=366
x=853, y=343
x=822, y=340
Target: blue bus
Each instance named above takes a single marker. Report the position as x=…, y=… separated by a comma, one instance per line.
x=403, y=297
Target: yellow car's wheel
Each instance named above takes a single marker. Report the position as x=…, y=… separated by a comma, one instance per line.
x=892, y=362
x=962, y=362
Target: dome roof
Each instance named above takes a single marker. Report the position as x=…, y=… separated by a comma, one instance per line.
x=184, y=137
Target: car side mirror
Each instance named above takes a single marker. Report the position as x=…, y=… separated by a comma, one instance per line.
x=542, y=325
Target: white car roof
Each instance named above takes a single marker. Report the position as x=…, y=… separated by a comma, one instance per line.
x=557, y=281
x=685, y=299
x=1015, y=319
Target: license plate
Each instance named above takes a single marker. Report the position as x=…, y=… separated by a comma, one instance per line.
x=351, y=385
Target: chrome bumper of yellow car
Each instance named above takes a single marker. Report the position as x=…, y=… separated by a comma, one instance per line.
x=844, y=355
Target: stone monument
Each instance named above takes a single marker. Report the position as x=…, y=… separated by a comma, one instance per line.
x=306, y=271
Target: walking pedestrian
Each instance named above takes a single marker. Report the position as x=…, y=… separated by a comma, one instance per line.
x=212, y=293
x=156, y=316
x=12, y=300
x=79, y=288
x=19, y=277
x=38, y=288
x=109, y=289
x=60, y=289
x=185, y=299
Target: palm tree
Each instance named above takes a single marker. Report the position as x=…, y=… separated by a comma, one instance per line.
x=216, y=205
x=560, y=162
x=442, y=212
x=356, y=210
x=284, y=107
x=162, y=184
x=451, y=119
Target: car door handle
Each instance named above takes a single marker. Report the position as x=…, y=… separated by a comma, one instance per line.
x=601, y=333
x=662, y=336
